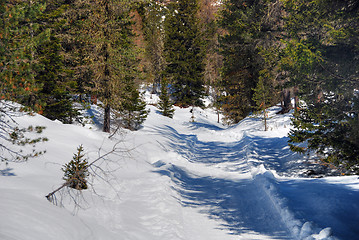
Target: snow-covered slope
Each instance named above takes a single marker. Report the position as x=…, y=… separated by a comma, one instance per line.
x=180, y=180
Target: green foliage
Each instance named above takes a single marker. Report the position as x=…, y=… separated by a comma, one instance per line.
x=76, y=171
x=70, y=20
x=299, y=60
x=112, y=55
x=165, y=104
x=19, y=138
x=184, y=53
x=250, y=27
x=329, y=132
x=133, y=110
x=19, y=37
x=321, y=57
x=152, y=13
x=264, y=95
x=53, y=95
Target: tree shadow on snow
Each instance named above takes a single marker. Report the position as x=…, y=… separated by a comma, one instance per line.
x=241, y=208
x=327, y=205
x=273, y=153
x=235, y=204
x=198, y=125
x=7, y=172
x=238, y=204
x=96, y=117
x=202, y=152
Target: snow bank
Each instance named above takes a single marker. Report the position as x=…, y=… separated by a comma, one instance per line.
x=266, y=181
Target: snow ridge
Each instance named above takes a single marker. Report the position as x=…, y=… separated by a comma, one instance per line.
x=266, y=182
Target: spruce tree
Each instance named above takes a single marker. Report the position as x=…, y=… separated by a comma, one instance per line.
x=184, y=52
x=133, y=110
x=208, y=9
x=55, y=98
x=250, y=27
x=111, y=52
x=321, y=57
x=264, y=95
x=55, y=75
x=152, y=13
x=75, y=44
x=76, y=171
x=18, y=40
x=165, y=104
x=19, y=37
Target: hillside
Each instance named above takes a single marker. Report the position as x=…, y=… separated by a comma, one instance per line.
x=177, y=180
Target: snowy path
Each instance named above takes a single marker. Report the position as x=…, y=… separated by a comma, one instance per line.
x=229, y=181
x=241, y=203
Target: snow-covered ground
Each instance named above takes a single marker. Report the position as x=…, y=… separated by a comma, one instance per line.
x=177, y=180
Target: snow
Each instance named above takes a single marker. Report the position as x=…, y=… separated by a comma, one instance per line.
x=179, y=180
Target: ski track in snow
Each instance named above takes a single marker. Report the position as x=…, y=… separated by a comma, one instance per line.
x=245, y=205
x=214, y=177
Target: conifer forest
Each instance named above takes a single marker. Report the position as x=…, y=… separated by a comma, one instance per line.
x=247, y=55
x=179, y=119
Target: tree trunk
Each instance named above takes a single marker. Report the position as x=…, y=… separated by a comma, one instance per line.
x=265, y=117
x=218, y=119
x=287, y=105
x=107, y=115
x=296, y=99
x=265, y=120
x=107, y=119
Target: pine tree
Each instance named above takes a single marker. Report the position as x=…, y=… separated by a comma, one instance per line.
x=76, y=171
x=44, y=61
x=53, y=95
x=110, y=51
x=208, y=9
x=321, y=57
x=133, y=110
x=18, y=40
x=165, y=104
x=184, y=53
x=250, y=27
x=264, y=95
x=55, y=75
x=72, y=21
x=152, y=13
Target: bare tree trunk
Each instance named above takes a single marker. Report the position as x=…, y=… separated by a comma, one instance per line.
x=107, y=119
x=296, y=99
x=218, y=118
x=107, y=114
x=287, y=105
x=50, y=196
x=265, y=119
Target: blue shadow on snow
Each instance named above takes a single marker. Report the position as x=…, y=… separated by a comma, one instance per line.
x=227, y=201
x=7, y=172
x=327, y=205
x=239, y=205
